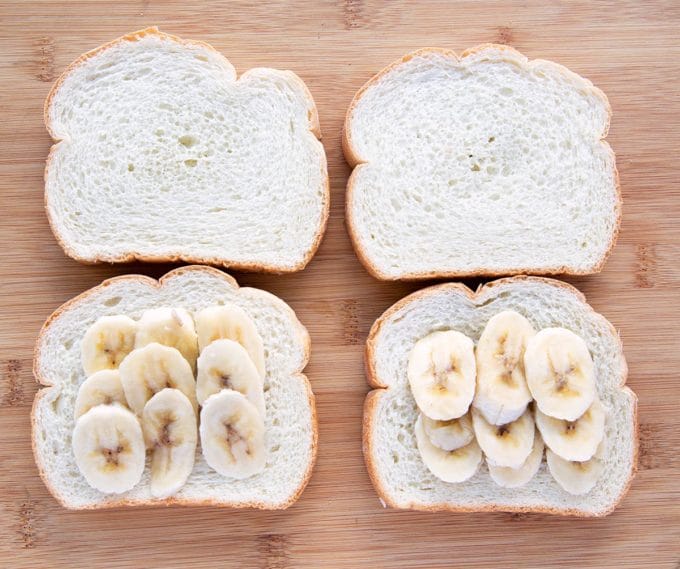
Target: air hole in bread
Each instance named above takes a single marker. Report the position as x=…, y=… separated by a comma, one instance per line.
x=112, y=301
x=55, y=403
x=187, y=140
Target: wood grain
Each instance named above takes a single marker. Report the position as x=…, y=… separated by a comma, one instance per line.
x=629, y=49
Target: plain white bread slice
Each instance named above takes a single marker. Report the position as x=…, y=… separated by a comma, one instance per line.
x=291, y=430
x=394, y=464
x=483, y=164
x=162, y=154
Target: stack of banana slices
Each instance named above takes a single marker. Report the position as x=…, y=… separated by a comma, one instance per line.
x=517, y=392
x=145, y=382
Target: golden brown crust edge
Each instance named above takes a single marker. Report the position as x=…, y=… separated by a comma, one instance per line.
x=170, y=501
x=379, y=389
x=355, y=161
x=314, y=128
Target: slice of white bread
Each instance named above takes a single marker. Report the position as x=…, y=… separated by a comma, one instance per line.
x=483, y=164
x=291, y=429
x=396, y=469
x=162, y=154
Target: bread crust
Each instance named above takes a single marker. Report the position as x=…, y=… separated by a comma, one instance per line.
x=379, y=388
x=314, y=128
x=355, y=161
x=171, y=501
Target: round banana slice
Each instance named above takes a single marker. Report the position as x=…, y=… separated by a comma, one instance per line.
x=232, y=435
x=231, y=322
x=169, y=425
x=451, y=434
x=101, y=388
x=172, y=327
x=560, y=373
x=502, y=394
x=154, y=367
x=107, y=342
x=441, y=372
x=574, y=440
x=450, y=466
x=505, y=445
x=108, y=446
x=577, y=478
x=516, y=477
x=225, y=364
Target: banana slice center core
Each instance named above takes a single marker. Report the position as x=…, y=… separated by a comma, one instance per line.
x=235, y=439
x=226, y=381
x=502, y=431
x=111, y=455
x=442, y=372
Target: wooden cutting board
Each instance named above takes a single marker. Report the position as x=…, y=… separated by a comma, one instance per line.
x=630, y=50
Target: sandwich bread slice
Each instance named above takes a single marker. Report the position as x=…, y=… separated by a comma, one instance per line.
x=141, y=427
x=481, y=164
x=490, y=457
x=161, y=154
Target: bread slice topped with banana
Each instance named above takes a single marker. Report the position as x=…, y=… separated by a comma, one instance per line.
x=510, y=398
x=184, y=391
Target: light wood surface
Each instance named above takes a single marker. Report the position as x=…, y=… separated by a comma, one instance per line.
x=631, y=50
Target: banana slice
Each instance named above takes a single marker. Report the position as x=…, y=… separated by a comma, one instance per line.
x=441, y=372
x=231, y=322
x=172, y=327
x=169, y=425
x=225, y=364
x=102, y=388
x=516, y=477
x=450, y=466
x=576, y=477
x=505, y=445
x=154, y=367
x=502, y=393
x=574, y=440
x=108, y=446
x=107, y=342
x=560, y=373
x=232, y=435
x=451, y=434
